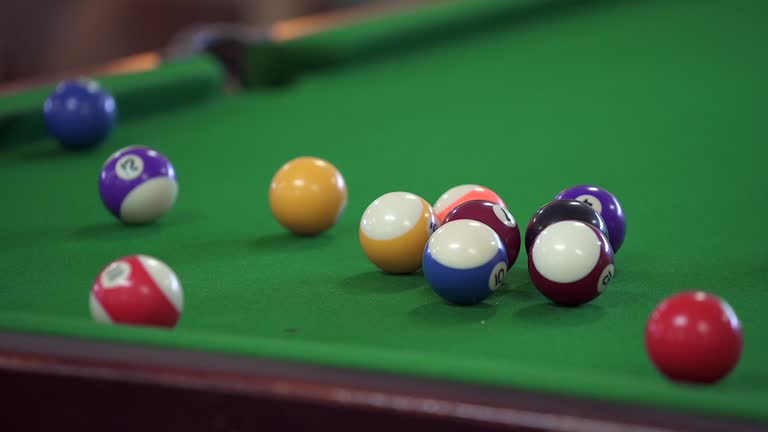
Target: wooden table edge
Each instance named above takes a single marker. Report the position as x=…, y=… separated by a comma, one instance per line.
x=355, y=396
x=279, y=31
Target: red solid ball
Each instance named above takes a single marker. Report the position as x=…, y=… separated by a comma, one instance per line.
x=694, y=336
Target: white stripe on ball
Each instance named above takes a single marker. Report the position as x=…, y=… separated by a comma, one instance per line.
x=566, y=251
x=464, y=244
x=149, y=200
x=392, y=215
x=165, y=279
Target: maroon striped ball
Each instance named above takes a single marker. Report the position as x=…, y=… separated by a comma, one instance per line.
x=571, y=263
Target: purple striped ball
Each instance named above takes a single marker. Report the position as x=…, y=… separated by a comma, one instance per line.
x=606, y=204
x=138, y=185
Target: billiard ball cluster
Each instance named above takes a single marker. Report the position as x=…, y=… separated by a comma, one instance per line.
x=465, y=244
x=570, y=247
x=469, y=240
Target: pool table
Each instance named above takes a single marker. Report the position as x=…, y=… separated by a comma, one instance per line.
x=661, y=102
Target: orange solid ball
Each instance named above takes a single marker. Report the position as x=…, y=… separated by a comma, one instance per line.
x=307, y=195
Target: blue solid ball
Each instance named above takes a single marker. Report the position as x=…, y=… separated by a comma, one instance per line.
x=465, y=261
x=80, y=114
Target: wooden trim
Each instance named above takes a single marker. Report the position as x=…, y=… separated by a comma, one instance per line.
x=306, y=25
x=295, y=394
x=279, y=31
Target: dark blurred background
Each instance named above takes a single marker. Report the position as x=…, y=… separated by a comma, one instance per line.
x=49, y=37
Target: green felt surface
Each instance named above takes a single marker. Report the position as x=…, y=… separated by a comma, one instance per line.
x=661, y=102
